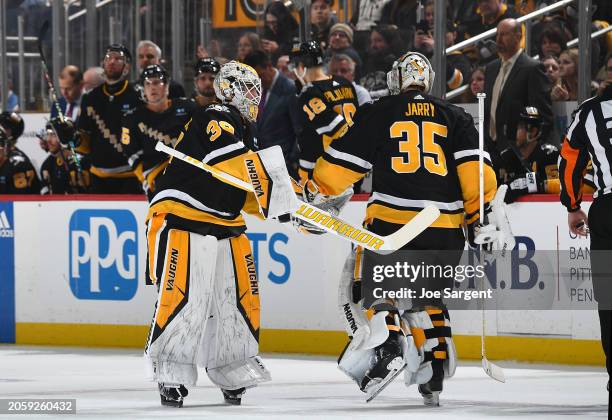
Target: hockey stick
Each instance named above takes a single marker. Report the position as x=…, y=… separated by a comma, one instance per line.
x=53, y=96
x=325, y=220
x=490, y=368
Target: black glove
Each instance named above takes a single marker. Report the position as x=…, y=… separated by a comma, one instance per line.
x=3, y=137
x=65, y=130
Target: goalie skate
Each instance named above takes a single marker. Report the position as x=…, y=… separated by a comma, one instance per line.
x=374, y=384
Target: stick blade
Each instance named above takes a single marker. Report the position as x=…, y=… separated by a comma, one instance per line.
x=412, y=229
x=494, y=371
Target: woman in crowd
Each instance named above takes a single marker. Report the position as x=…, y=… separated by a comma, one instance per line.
x=552, y=42
x=566, y=88
x=279, y=31
x=477, y=83
x=248, y=42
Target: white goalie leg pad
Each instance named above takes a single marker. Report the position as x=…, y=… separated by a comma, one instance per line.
x=417, y=345
x=230, y=343
x=182, y=308
x=352, y=315
x=270, y=179
x=244, y=373
x=450, y=364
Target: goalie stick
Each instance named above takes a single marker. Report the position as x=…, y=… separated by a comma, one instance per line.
x=491, y=369
x=324, y=220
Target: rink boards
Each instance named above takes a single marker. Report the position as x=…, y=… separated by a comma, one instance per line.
x=71, y=273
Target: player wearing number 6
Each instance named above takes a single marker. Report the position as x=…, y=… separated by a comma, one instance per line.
x=422, y=151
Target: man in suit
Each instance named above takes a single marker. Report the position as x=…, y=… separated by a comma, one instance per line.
x=278, y=120
x=512, y=82
x=70, y=86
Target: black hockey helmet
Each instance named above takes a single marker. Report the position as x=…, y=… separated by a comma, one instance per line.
x=530, y=116
x=12, y=121
x=121, y=49
x=206, y=65
x=154, y=71
x=308, y=53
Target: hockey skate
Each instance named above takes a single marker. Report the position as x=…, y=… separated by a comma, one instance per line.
x=432, y=389
x=172, y=394
x=389, y=362
x=233, y=396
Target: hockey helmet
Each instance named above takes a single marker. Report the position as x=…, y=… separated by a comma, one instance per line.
x=206, y=65
x=410, y=70
x=308, y=53
x=239, y=85
x=155, y=71
x=120, y=49
x=530, y=117
x=13, y=122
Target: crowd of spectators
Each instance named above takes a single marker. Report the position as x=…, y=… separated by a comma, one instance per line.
x=363, y=49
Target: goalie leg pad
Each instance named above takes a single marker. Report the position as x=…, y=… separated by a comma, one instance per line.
x=182, y=307
x=231, y=340
x=354, y=319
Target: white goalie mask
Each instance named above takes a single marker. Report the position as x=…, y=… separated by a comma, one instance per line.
x=411, y=69
x=239, y=85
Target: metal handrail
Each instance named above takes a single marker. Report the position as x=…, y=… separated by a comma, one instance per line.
x=25, y=38
x=84, y=11
x=456, y=92
x=493, y=31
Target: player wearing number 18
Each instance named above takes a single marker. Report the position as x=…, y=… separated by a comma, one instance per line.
x=421, y=150
x=328, y=104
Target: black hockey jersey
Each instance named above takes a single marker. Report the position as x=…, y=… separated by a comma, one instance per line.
x=193, y=200
x=421, y=151
x=17, y=175
x=100, y=127
x=328, y=109
x=141, y=131
x=61, y=176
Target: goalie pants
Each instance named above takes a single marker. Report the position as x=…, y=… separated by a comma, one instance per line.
x=600, y=226
x=207, y=312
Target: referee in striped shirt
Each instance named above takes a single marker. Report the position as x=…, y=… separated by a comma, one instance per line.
x=590, y=137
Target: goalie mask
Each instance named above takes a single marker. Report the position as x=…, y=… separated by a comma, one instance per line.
x=412, y=69
x=239, y=85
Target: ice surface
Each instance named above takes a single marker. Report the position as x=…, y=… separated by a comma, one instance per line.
x=109, y=384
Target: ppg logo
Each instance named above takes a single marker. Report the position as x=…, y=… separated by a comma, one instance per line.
x=103, y=254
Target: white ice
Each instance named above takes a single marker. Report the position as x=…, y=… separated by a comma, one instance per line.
x=109, y=384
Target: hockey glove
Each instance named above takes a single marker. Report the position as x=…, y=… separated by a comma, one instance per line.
x=527, y=184
x=65, y=130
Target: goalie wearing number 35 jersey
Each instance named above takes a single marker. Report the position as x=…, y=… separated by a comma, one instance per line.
x=328, y=104
x=421, y=151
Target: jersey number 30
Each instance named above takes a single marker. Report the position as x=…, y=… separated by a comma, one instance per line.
x=416, y=143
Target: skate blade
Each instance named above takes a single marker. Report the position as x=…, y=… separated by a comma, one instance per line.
x=431, y=400
x=396, y=367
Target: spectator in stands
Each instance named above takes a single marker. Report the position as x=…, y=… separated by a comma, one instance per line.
x=279, y=31
x=477, y=85
x=552, y=42
x=458, y=66
x=551, y=64
x=248, y=43
x=512, y=82
x=366, y=16
x=12, y=101
x=277, y=121
x=489, y=14
x=92, y=78
x=282, y=65
x=383, y=50
x=321, y=19
x=607, y=79
x=71, y=87
x=342, y=65
x=403, y=14
x=341, y=42
x=566, y=88
x=149, y=53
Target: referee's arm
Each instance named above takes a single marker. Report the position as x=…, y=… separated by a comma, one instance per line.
x=573, y=161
